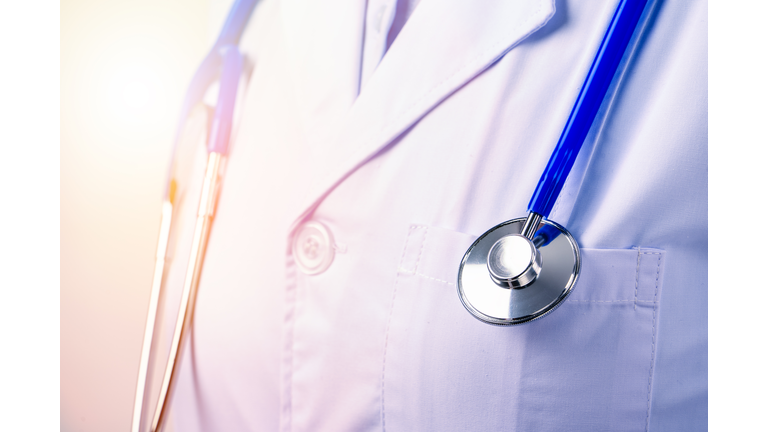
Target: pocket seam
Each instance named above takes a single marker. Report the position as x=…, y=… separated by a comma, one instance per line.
x=401, y=269
x=411, y=265
x=653, y=336
x=611, y=301
x=637, y=275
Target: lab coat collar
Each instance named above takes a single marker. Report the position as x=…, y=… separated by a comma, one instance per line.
x=443, y=45
x=324, y=48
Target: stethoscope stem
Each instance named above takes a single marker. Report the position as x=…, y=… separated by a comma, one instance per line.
x=224, y=63
x=531, y=225
x=154, y=296
x=191, y=282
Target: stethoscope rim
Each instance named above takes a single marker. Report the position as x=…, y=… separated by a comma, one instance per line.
x=537, y=313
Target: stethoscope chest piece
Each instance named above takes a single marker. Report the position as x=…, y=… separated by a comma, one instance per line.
x=507, y=279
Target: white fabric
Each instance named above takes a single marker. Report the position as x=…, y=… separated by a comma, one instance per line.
x=383, y=21
x=379, y=16
x=446, y=139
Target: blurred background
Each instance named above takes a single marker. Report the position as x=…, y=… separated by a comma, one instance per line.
x=125, y=66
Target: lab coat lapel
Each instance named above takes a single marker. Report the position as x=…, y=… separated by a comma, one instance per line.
x=443, y=45
x=324, y=45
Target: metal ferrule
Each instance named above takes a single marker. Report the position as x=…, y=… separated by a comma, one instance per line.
x=531, y=225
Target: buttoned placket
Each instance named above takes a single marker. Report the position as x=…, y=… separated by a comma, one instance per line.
x=312, y=298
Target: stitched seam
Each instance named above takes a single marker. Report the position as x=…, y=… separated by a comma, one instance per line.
x=611, y=301
x=405, y=248
x=421, y=250
x=389, y=321
x=653, y=344
x=637, y=273
x=384, y=361
x=287, y=356
x=637, y=276
x=402, y=270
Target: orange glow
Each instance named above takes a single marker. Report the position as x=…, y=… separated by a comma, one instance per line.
x=125, y=66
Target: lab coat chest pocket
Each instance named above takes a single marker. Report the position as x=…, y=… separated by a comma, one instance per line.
x=586, y=366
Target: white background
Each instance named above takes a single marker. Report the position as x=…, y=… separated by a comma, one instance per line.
x=89, y=94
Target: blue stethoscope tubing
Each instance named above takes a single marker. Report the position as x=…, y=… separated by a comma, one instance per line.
x=593, y=90
x=224, y=63
x=523, y=269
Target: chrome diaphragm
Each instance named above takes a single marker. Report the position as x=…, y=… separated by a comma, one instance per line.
x=505, y=278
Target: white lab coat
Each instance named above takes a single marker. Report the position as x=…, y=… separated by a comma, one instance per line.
x=446, y=139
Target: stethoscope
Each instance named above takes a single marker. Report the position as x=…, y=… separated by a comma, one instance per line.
x=516, y=272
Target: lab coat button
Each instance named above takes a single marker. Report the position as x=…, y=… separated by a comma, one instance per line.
x=313, y=248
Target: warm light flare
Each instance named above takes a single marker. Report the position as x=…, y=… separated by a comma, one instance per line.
x=136, y=93
x=125, y=66
x=131, y=84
